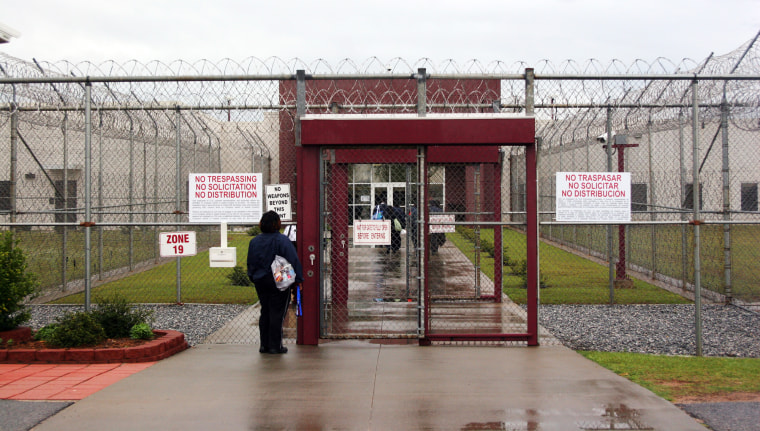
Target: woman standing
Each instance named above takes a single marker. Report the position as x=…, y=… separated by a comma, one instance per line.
x=274, y=302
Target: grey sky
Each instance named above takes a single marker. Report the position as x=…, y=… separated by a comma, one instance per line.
x=487, y=30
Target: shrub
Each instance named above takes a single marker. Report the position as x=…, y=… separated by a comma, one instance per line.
x=141, y=331
x=77, y=329
x=239, y=276
x=117, y=316
x=253, y=231
x=15, y=283
x=46, y=332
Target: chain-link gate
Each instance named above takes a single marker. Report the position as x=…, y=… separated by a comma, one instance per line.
x=370, y=291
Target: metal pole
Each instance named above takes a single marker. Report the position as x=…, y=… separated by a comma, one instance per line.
x=696, y=203
x=421, y=92
x=14, y=159
x=726, y=202
x=178, y=191
x=87, y=192
x=100, y=194
x=131, y=181
x=65, y=193
x=611, y=266
x=652, y=201
x=682, y=174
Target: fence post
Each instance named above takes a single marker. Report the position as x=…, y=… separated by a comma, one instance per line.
x=87, y=192
x=178, y=191
x=696, y=221
x=682, y=179
x=65, y=209
x=610, y=259
x=14, y=158
x=421, y=92
x=726, y=202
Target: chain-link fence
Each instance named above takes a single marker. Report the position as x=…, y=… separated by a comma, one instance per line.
x=98, y=159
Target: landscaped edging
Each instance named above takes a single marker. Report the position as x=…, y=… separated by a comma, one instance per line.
x=166, y=343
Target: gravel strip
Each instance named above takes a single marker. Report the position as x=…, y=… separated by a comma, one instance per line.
x=656, y=329
x=196, y=321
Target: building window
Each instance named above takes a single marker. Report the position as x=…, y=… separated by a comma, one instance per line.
x=749, y=196
x=5, y=196
x=688, y=202
x=639, y=197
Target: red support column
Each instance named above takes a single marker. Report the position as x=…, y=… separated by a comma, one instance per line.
x=531, y=207
x=308, y=242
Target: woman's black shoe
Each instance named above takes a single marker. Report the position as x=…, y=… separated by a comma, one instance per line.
x=278, y=351
x=262, y=350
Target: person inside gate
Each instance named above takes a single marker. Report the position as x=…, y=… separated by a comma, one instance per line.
x=262, y=250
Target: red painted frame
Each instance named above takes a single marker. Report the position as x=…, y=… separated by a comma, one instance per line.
x=473, y=131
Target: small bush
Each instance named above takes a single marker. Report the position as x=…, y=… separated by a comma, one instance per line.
x=46, y=332
x=141, y=331
x=239, y=276
x=77, y=329
x=253, y=231
x=15, y=283
x=117, y=316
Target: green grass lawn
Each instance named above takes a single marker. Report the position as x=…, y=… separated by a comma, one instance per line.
x=677, y=378
x=200, y=284
x=568, y=278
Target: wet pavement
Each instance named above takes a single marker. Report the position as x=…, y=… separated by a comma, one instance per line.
x=349, y=385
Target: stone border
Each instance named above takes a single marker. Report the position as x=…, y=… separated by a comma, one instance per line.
x=166, y=343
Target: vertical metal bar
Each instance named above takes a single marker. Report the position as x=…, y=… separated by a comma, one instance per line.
x=421, y=92
x=652, y=202
x=300, y=102
x=178, y=192
x=14, y=158
x=610, y=259
x=532, y=249
x=529, y=92
x=87, y=192
x=728, y=292
x=476, y=181
x=682, y=175
x=65, y=210
x=100, y=194
x=696, y=203
x=131, y=194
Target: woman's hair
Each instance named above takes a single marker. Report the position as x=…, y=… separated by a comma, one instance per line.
x=270, y=222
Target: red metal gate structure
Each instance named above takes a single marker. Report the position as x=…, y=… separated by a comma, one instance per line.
x=409, y=285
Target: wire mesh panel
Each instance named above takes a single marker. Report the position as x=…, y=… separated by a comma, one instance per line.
x=370, y=287
x=465, y=265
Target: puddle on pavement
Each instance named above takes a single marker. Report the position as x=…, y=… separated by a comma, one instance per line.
x=608, y=417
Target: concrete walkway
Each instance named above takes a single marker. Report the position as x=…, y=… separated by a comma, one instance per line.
x=359, y=385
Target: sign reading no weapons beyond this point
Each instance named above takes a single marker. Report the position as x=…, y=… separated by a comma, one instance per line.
x=278, y=200
x=593, y=196
x=231, y=198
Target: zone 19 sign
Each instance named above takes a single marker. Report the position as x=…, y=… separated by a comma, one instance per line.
x=177, y=244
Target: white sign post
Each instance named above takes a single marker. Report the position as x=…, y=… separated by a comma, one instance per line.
x=278, y=200
x=593, y=197
x=177, y=244
x=372, y=232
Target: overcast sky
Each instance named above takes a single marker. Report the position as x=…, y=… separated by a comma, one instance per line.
x=510, y=31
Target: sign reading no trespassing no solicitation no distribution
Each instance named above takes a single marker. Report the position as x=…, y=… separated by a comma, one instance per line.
x=593, y=197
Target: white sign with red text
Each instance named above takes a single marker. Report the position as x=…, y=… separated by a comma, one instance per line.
x=173, y=244
x=231, y=198
x=372, y=232
x=593, y=196
x=442, y=228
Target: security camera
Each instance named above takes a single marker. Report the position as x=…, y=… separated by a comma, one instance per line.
x=602, y=138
